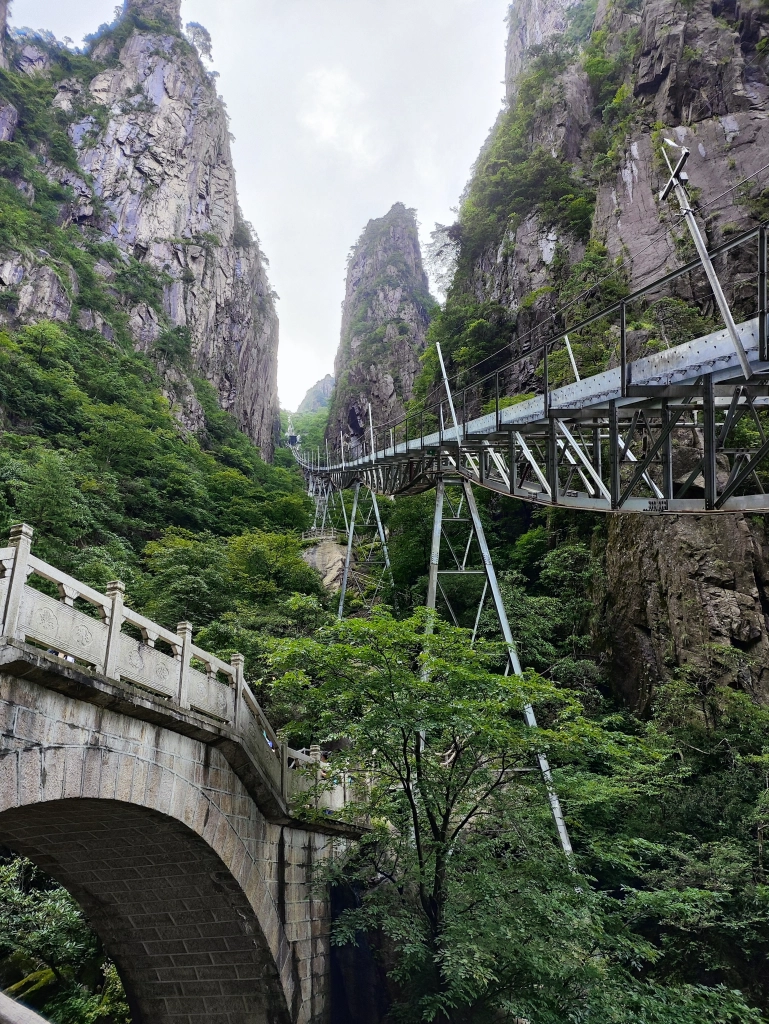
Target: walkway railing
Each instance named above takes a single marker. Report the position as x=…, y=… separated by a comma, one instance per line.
x=183, y=676
x=662, y=427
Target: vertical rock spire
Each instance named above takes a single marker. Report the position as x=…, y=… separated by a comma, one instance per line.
x=167, y=10
x=384, y=324
x=3, y=27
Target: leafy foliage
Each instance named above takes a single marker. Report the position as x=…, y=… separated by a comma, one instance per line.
x=460, y=871
x=49, y=957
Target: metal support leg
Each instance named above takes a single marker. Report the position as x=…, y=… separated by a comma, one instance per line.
x=763, y=312
x=709, y=438
x=348, y=558
x=491, y=576
x=435, y=550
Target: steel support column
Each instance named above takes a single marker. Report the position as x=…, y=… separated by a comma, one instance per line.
x=491, y=577
x=709, y=442
x=348, y=557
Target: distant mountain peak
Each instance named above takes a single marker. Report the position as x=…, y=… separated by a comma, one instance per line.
x=318, y=396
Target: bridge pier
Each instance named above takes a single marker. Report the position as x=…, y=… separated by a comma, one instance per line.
x=206, y=907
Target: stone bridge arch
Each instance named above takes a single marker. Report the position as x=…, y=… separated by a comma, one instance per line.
x=206, y=907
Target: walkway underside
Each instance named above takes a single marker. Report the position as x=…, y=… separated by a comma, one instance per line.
x=686, y=433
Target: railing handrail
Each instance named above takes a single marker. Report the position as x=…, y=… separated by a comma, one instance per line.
x=542, y=349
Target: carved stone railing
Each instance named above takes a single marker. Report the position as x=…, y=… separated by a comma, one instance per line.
x=99, y=645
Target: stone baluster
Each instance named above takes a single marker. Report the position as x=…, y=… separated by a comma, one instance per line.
x=184, y=631
x=116, y=594
x=21, y=540
x=68, y=594
x=238, y=662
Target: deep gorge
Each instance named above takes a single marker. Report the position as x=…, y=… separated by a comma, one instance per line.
x=141, y=437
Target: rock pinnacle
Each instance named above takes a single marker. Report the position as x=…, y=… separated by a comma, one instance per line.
x=167, y=10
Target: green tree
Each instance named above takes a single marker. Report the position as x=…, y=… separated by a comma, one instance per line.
x=49, y=957
x=460, y=869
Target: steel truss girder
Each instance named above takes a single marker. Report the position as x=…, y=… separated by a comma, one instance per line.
x=624, y=457
x=587, y=446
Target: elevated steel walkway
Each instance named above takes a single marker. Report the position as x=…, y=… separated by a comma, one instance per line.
x=682, y=430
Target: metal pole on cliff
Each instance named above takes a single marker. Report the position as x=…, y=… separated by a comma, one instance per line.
x=675, y=183
x=371, y=431
x=448, y=393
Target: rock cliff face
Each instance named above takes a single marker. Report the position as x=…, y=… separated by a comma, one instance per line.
x=318, y=396
x=577, y=158
x=384, y=324
x=156, y=178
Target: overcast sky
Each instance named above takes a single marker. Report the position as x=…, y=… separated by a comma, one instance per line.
x=339, y=108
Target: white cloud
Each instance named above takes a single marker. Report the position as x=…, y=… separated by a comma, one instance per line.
x=333, y=111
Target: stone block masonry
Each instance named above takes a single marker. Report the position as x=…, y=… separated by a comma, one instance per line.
x=159, y=796
x=207, y=908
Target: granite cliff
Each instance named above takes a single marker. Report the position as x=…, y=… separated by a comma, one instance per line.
x=318, y=396
x=152, y=176
x=565, y=187
x=385, y=317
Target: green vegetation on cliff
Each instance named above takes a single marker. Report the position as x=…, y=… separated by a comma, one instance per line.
x=95, y=456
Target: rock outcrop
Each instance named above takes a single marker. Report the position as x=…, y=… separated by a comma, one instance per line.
x=318, y=396
x=156, y=179
x=328, y=559
x=596, y=98
x=3, y=31
x=384, y=324
x=163, y=10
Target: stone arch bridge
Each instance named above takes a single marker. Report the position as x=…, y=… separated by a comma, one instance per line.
x=140, y=772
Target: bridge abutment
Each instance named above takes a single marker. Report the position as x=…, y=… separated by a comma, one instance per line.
x=207, y=908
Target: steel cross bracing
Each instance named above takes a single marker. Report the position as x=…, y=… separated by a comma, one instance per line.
x=367, y=575
x=681, y=430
